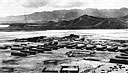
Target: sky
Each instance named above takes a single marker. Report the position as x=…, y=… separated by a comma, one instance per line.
x=20, y=7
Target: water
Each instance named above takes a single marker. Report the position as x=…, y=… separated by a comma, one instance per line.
x=120, y=34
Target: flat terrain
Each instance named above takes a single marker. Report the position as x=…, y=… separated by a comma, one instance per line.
x=113, y=34
x=35, y=64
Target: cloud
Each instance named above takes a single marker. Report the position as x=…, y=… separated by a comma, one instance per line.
x=53, y=3
x=33, y=3
x=74, y=3
x=12, y=7
x=69, y=3
x=18, y=7
x=109, y=4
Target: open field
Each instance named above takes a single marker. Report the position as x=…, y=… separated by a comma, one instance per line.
x=35, y=63
x=117, y=34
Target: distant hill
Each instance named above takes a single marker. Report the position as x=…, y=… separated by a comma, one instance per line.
x=82, y=22
x=125, y=18
x=91, y=22
x=60, y=15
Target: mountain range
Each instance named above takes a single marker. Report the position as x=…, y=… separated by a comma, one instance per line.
x=70, y=19
x=91, y=22
x=82, y=22
x=60, y=15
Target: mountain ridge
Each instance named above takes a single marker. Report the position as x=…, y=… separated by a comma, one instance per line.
x=82, y=22
x=60, y=15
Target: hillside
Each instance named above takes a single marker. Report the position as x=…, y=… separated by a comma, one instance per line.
x=112, y=23
x=90, y=22
x=82, y=22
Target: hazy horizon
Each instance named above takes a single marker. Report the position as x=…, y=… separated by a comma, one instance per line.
x=20, y=7
x=58, y=10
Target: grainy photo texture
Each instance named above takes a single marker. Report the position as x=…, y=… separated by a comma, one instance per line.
x=63, y=36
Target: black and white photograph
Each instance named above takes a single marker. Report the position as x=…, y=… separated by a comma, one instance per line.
x=63, y=36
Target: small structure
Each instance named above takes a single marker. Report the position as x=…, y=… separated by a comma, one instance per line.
x=122, y=57
x=80, y=46
x=90, y=47
x=124, y=45
x=122, y=49
x=118, y=60
x=71, y=46
x=7, y=69
x=112, y=48
x=91, y=59
x=19, y=54
x=37, y=50
x=23, y=44
x=3, y=47
x=101, y=48
x=40, y=48
x=29, y=52
x=7, y=45
x=16, y=45
x=53, y=47
x=40, y=45
x=51, y=70
x=79, y=53
x=17, y=48
x=48, y=49
x=54, y=62
x=124, y=54
x=61, y=45
x=33, y=46
x=69, y=69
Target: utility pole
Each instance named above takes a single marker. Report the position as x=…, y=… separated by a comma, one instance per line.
x=25, y=17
